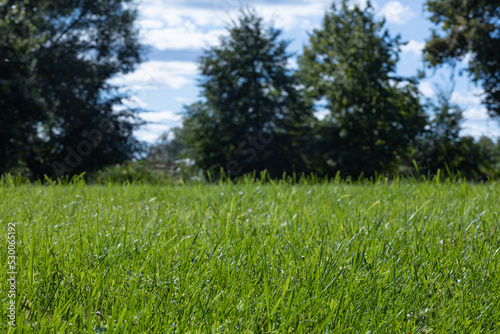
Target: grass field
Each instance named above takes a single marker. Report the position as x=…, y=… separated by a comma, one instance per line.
x=405, y=257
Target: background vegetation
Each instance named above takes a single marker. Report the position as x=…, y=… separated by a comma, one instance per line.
x=60, y=116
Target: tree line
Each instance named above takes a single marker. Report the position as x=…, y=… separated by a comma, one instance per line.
x=60, y=116
x=258, y=114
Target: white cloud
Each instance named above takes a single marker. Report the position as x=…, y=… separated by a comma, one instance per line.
x=426, y=89
x=158, y=74
x=467, y=99
x=321, y=109
x=159, y=122
x=187, y=36
x=134, y=102
x=288, y=17
x=395, y=12
x=308, y=25
x=321, y=114
x=158, y=15
x=180, y=25
x=150, y=133
x=480, y=128
x=160, y=117
x=292, y=64
x=467, y=58
x=175, y=26
x=471, y=129
x=476, y=114
x=147, y=24
x=413, y=47
x=174, y=13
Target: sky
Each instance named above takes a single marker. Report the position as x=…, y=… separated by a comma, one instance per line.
x=177, y=32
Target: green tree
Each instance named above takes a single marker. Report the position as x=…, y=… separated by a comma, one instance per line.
x=475, y=158
x=438, y=146
x=168, y=148
x=374, y=115
x=253, y=109
x=20, y=103
x=79, y=46
x=468, y=27
x=497, y=157
x=441, y=147
x=488, y=158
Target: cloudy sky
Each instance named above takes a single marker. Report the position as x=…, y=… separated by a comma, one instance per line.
x=177, y=32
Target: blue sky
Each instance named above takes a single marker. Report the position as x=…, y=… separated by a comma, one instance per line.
x=177, y=31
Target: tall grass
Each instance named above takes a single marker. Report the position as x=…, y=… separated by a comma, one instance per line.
x=255, y=256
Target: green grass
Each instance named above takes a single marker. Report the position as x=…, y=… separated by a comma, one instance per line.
x=275, y=257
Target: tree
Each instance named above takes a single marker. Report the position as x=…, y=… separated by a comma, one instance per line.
x=469, y=28
x=252, y=109
x=441, y=147
x=438, y=146
x=374, y=115
x=79, y=46
x=169, y=148
x=488, y=162
x=20, y=103
x=476, y=158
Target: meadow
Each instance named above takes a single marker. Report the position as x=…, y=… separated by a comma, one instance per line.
x=254, y=257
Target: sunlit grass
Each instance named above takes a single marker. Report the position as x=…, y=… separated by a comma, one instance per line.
x=274, y=257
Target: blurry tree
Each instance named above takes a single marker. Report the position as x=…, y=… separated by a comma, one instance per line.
x=77, y=47
x=468, y=28
x=489, y=163
x=252, y=112
x=497, y=156
x=21, y=107
x=168, y=149
x=476, y=158
x=438, y=146
x=441, y=147
x=374, y=115
x=170, y=156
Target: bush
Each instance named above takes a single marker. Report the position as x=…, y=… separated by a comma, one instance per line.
x=146, y=172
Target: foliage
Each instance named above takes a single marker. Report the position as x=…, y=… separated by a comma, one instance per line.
x=405, y=257
x=169, y=148
x=252, y=110
x=78, y=46
x=374, y=115
x=169, y=156
x=488, y=157
x=129, y=172
x=438, y=146
x=61, y=117
x=442, y=148
x=145, y=172
x=20, y=102
x=468, y=28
